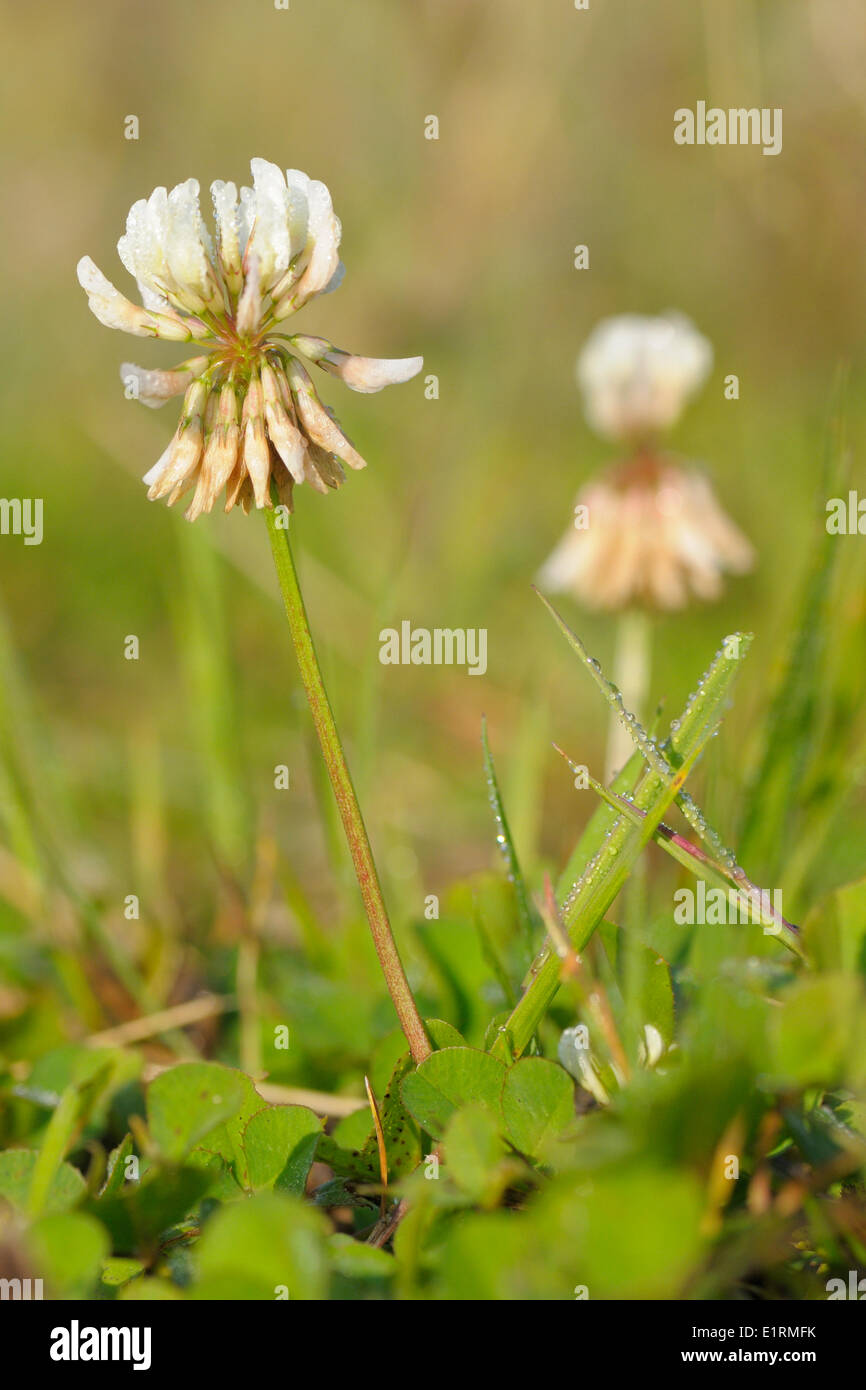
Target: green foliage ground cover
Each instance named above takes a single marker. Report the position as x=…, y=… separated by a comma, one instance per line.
x=676, y=1111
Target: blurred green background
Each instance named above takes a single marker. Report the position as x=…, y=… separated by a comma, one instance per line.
x=555, y=128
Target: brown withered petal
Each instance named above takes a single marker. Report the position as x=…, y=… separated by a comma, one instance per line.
x=218, y=463
x=246, y=497
x=186, y=448
x=286, y=439
x=257, y=460
x=313, y=476
x=284, y=482
x=235, y=483
x=282, y=430
x=327, y=465
x=316, y=421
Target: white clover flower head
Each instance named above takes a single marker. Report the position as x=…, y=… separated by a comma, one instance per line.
x=637, y=373
x=647, y=533
x=251, y=416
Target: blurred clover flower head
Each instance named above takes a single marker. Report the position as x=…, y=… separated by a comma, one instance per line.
x=649, y=531
x=637, y=373
x=250, y=411
x=656, y=536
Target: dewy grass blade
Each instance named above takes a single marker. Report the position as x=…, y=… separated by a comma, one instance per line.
x=596, y=831
x=605, y=874
x=693, y=858
x=586, y=908
x=665, y=757
x=641, y=739
x=600, y=823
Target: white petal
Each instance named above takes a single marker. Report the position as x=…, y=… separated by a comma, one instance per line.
x=154, y=388
x=187, y=245
x=298, y=190
x=249, y=313
x=92, y=280
x=636, y=373
x=369, y=374
x=323, y=242
x=336, y=279
x=246, y=218
x=109, y=305
x=160, y=467
x=127, y=247
x=142, y=249
x=270, y=239
x=652, y=1045
x=226, y=210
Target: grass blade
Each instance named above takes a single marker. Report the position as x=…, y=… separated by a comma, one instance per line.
x=693, y=858
x=605, y=874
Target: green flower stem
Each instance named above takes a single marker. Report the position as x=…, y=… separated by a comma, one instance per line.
x=347, y=802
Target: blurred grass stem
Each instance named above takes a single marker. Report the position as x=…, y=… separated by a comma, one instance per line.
x=631, y=672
